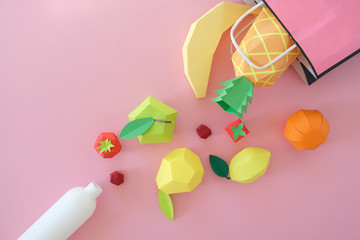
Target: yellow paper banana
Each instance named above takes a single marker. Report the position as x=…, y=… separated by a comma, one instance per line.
x=202, y=40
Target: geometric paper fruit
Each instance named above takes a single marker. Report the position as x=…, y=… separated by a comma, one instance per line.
x=307, y=129
x=247, y=166
x=203, y=131
x=164, y=120
x=180, y=171
x=117, y=178
x=107, y=145
x=202, y=40
x=236, y=96
x=265, y=40
x=237, y=130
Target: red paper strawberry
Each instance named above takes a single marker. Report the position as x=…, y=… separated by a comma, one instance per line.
x=237, y=130
x=107, y=145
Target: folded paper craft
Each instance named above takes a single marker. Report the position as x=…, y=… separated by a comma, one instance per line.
x=116, y=178
x=162, y=127
x=136, y=127
x=202, y=40
x=249, y=164
x=236, y=95
x=265, y=40
x=237, y=130
x=107, y=145
x=245, y=167
x=180, y=171
x=219, y=166
x=166, y=205
x=307, y=129
x=203, y=131
x=326, y=31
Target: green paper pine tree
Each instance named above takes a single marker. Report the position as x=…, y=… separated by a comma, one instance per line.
x=236, y=96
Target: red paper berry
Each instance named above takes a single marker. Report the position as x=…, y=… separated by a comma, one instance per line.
x=117, y=178
x=107, y=145
x=235, y=131
x=203, y=131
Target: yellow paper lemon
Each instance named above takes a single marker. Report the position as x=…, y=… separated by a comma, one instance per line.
x=249, y=164
x=180, y=171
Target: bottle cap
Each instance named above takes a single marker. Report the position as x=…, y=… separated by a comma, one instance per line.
x=93, y=190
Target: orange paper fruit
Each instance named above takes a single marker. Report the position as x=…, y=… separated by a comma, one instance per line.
x=307, y=129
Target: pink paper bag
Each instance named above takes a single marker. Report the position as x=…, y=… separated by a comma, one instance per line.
x=326, y=31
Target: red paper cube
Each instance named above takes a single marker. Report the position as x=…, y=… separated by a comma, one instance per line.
x=203, y=131
x=117, y=178
x=235, y=133
x=107, y=145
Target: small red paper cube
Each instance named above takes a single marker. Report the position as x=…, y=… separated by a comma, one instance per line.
x=107, y=145
x=117, y=178
x=235, y=131
x=203, y=131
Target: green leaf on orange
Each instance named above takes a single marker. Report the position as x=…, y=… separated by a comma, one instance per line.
x=219, y=166
x=166, y=205
x=136, y=128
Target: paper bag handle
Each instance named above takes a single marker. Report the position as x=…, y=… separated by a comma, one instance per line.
x=242, y=53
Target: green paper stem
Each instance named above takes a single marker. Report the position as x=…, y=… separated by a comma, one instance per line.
x=156, y=120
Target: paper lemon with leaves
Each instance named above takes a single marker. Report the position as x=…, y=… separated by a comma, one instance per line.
x=245, y=167
x=180, y=171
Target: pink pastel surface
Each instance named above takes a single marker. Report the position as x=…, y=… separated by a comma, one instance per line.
x=326, y=30
x=72, y=69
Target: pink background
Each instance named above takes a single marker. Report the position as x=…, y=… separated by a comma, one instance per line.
x=71, y=69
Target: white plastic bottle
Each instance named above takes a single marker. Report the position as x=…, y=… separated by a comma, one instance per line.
x=66, y=215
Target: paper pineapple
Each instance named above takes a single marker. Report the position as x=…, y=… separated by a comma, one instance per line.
x=265, y=40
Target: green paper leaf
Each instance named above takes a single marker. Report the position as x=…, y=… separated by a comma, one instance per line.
x=105, y=146
x=236, y=96
x=136, y=128
x=166, y=205
x=219, y=166
x=237, y=130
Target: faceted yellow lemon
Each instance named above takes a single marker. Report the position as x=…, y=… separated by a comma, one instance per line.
x=180, y=171
x=249, y=164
